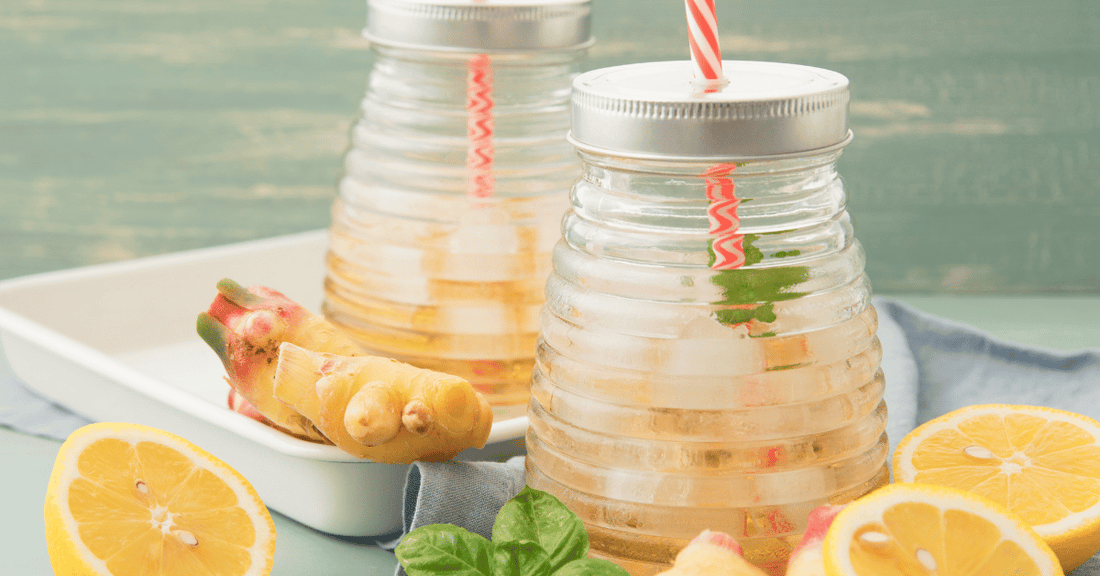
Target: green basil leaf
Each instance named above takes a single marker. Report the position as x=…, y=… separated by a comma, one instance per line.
x=537, y=516
x=520, y=558
x=592, y=567
x=435, y=548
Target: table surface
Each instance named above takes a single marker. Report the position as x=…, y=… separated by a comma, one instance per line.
x=1065, y=324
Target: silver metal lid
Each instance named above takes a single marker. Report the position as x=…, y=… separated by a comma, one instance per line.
x=657, y=110
x=482, y=26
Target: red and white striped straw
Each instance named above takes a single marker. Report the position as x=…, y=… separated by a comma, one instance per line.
x=729, y=251
x=703, y=37
x=479, y=127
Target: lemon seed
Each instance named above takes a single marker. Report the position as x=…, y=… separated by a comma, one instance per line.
x=978, y=452
x=877, y=539
x=926, y=559
x=187, y=538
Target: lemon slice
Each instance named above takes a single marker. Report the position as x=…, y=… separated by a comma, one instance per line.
x=921, y=529
x=128, y=500
x=1040, y=463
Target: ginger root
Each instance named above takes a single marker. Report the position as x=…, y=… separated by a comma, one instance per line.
x=712, y=554
x=245, y=327
x=807, y=559
x=380, y=408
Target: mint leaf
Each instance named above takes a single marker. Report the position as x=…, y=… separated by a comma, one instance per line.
x=733, y=316
x=520, y=558
x=752, y=286
x=436, y=548
x=592, y=567
x=537, y=516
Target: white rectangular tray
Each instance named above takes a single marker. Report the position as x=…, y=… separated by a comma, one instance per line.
x=117, y=342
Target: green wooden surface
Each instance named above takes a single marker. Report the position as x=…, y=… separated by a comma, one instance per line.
x=136, y=127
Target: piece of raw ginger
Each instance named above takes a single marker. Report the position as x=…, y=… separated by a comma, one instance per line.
x=380, y=408
x=712, y=553
x=245, y=327
x=807, y=559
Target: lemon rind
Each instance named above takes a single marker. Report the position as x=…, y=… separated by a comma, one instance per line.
x=870, y=509
x=1059, y=531
x=133, y=433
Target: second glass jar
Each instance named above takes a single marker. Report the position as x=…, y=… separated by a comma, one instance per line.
x=455, y=185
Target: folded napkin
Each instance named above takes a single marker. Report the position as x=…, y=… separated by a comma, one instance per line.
x=932, y=366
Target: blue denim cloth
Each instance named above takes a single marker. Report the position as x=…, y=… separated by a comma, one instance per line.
x=932, y=366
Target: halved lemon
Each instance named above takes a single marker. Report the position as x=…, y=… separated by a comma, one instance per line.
x=1040, y=463
x=922, y=529
x=128, y=500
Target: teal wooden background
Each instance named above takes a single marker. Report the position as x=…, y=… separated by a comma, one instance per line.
x=138, y=127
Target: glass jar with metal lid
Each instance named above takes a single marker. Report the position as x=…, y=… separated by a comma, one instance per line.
x=708, y=356
x=455, y=185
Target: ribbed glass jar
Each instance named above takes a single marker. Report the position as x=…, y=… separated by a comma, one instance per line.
x=432, y=261
x=669, y=396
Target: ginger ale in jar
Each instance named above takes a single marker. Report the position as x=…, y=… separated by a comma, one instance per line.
x=707, y=356
x=455, y=186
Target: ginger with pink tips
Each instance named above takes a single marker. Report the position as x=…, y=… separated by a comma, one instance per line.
x=295, y=371
x=238, y=404
x=807, y=558
x=712, y=554
x=245, y=328
x=382, y=409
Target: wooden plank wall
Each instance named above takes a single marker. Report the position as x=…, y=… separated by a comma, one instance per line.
x=137, y=127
